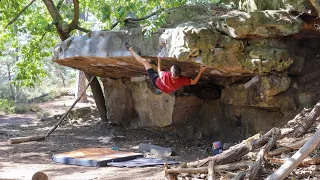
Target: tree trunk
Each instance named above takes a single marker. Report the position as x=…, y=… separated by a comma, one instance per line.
x=63, y=31
x=81, y=84
x=10, y=85
x=62, y=78
x=98, y=97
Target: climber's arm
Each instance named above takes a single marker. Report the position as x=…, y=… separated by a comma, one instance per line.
x=196, y=79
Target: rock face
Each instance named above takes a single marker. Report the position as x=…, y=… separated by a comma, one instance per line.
x=268, y=23
x=203, y=41
x=229, y=122
x=256, y=69
x=261, y=91
x=129, y=99
x=119, y=102
x=301, y=6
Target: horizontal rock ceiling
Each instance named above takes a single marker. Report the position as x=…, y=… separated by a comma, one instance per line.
x=230, y=45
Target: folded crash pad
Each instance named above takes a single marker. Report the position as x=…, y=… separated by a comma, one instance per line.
x=140, y=162
x=94, y=157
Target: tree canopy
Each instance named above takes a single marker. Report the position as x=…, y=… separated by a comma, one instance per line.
x=32, y=28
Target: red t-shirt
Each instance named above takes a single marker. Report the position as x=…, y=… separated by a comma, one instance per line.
x=167, y=84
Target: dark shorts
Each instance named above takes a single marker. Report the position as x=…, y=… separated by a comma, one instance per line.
x=153, y=75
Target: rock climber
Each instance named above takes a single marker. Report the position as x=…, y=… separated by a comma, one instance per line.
x=165, y=81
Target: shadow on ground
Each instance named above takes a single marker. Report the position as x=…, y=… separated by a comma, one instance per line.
x=20, y=161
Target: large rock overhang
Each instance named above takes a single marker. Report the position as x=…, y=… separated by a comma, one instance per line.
x=102, y=53
x=254, y=57
x=223, y=44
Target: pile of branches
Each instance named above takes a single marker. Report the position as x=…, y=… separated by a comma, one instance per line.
x=262, y=156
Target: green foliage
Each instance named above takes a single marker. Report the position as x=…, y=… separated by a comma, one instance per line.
x=33, y=33
x=30, y=68
x=111, y=11
x=7, y=106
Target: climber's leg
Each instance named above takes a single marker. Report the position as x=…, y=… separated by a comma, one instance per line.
x=141, y=60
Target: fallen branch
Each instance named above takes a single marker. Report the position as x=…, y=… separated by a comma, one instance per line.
x=211, y=171
x=168, y=175
x=225, y=167
x=289, y=147
x=239, y=176
x=236, y=153
x=228, y=174
x=26, y=139
x=253, y=171
x=224, y=157
x=187, y=170
x=306, y=162
x=314, y=114
x=233, y=166
x=297, y=158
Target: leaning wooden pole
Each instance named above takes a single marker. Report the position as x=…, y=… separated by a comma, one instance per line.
x=297, y=158
x=75, y=102
x=40, y=138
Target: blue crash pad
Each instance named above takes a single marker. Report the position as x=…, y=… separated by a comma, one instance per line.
x=94, y=157
x=140, y=162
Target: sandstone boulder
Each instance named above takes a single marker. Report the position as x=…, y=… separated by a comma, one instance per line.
x=257, y=61
x=261, y=91
x=301, y=6
x=136, y=103
x=268, y=23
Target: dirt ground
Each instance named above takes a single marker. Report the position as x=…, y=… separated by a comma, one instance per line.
x=21, y=161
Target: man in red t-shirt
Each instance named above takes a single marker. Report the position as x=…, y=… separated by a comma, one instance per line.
x=166, y=81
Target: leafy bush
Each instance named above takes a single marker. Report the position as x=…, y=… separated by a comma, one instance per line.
x=22, y=108
x=7, y=106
